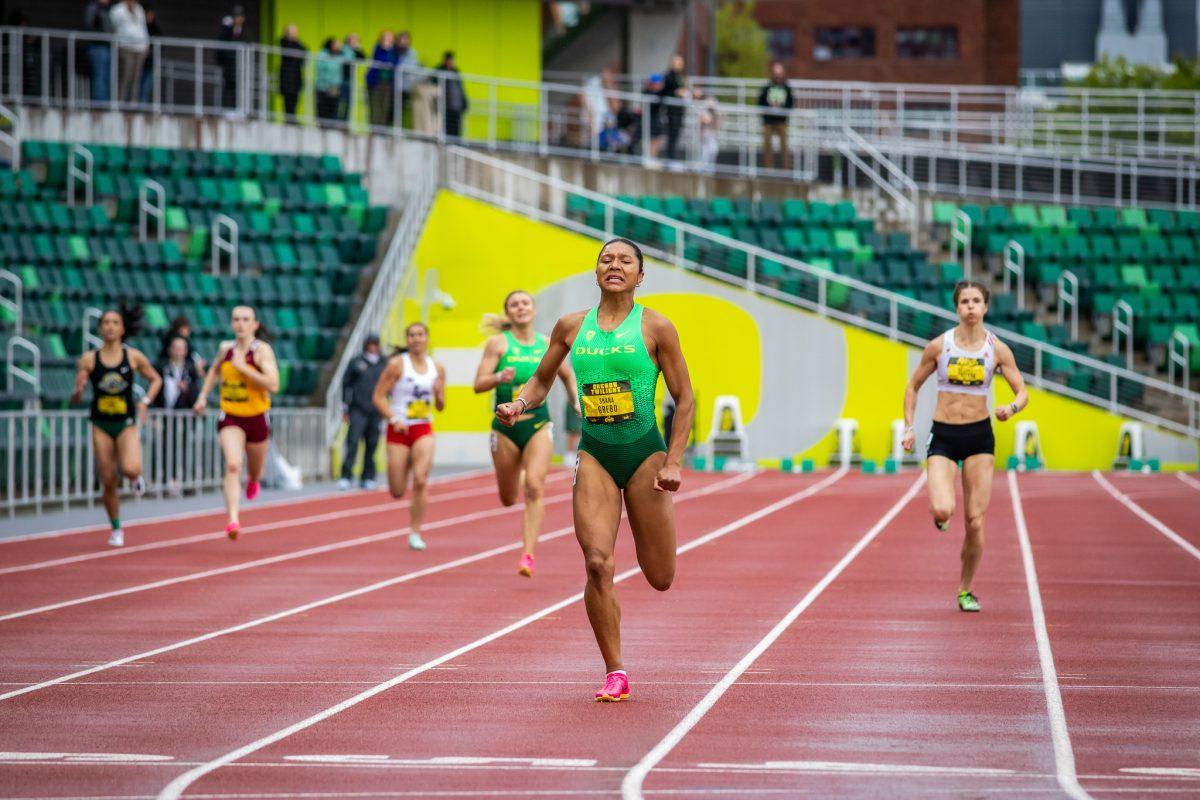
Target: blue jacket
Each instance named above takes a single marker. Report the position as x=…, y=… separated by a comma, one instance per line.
x=378, y=74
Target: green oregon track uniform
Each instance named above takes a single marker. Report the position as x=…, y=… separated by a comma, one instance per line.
x=616, y=381
x=524, y=359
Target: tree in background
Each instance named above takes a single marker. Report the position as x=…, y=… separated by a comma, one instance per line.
x=1118, y=73
x=741, y=43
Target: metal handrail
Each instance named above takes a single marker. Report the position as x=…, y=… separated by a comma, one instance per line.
x=459, y=179
x=1070, y=296
x=33, y=378
x=1123, y=327
x=1182, y=358
x=960, y=241
x=12, y=136
x=225, y=238
x=148, y=209
x=87, y=339
x=910, y=203
x=84, y=174
x=394, y=280
x=16, y=305
x=1014, y=266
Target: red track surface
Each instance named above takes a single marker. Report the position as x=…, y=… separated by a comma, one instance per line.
x=880, y=687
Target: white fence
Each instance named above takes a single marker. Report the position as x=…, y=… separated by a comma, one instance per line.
x=49, y=462
x=836, y=296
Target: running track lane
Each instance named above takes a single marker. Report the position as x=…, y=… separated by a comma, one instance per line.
x=202, y=700
x=20, y=550
x=882, y=687
x=1165, y=497
x=727, y=592
x=1121, y=605
x=34, y=648
x=79, y=584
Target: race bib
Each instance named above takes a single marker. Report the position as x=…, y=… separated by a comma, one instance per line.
x=607, y=403
x=113, y=405
x=966, y=371
x=418, y=409
x=234, y=392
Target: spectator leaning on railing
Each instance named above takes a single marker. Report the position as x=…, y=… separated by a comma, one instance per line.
x=328, y=82
x=233, y=30
x=408, y=69
x=674, y=88
x=95, y=20
x=351, y=52
x=454, y=97
x=146, y=92
x=777, y=98
x=133, y=40
x=291, y=69
x=381, y=79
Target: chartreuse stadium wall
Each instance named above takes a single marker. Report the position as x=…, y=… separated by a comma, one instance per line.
x=794, y=372
x=501, y=38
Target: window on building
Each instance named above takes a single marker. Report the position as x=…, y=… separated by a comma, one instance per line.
x=781, y=43
x=927, y=42
x=847, y=41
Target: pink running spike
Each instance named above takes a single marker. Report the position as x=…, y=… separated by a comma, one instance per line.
x=251, y=490
x=232, y=530
x=526, y=566
x=616, y=688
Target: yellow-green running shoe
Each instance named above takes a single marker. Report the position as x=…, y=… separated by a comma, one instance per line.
x=967, y=601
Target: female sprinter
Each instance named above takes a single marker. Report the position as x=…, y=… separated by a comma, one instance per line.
x=509, y=360
x=249, y=374
x=409, y=389
x=115, y=440
x=965, y=359
x=618, y=350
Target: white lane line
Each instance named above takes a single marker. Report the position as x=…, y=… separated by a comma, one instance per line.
x=1188, y=479
x=1149, y=518
x=290, y=556
x=177, y=787
x=220, y=509
x=1064, y=756
x=312, y=519
x=858, y=767
x=374, y=587
x=631, y=786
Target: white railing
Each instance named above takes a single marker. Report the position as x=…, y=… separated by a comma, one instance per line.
x=394, y=279
x=557, y=118
x=32, y=377
x=836, y=296
x=48, y=459
x=906, y=197
x=10, y=136
x=15, y=304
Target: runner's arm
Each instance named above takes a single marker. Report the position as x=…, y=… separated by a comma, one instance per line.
x=537, y=387
x=82, y=370
x=567, y=376
x=439, y=388
x=144, y=368
x=487, y=377
x=1007, y=365
x=679, y=383
x=211, y=377
x=921, y=374
x=383, y=387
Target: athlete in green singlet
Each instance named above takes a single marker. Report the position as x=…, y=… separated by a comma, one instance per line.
x=509, y=360
x=618, y=350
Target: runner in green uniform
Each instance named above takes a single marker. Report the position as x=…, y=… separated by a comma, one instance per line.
x=618, y=350
x=509, y=360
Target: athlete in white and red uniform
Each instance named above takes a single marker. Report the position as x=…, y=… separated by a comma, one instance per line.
x=409, y=390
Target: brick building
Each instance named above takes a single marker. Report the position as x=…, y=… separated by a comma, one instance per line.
x=908, y=41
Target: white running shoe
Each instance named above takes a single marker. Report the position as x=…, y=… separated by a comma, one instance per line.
x=415, y=542
x=139, y=486
x=343, y=484
x=371, y=485
x=116, y=538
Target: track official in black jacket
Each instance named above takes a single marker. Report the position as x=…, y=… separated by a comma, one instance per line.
x=358, y=385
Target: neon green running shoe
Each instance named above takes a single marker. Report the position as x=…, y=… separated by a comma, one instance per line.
x=942, y=526
x=967, y=601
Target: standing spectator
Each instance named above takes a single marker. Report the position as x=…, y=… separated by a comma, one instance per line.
x=181, y=328
x=710, y=123
x=673, y=89
x=454, y=97
x=358, y=410
x=95, y=20
x=133, y=40
x=408, y=72
x=328, y=82
x=291, y=70
x=653, y=106
x=776, y=98
x=146, y=93
x=381, y=79
x=181, y=386
x=351, y=52
x=233, y=31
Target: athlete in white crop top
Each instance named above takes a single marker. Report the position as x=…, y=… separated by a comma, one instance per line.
x=408, y=391
x=965, y=358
